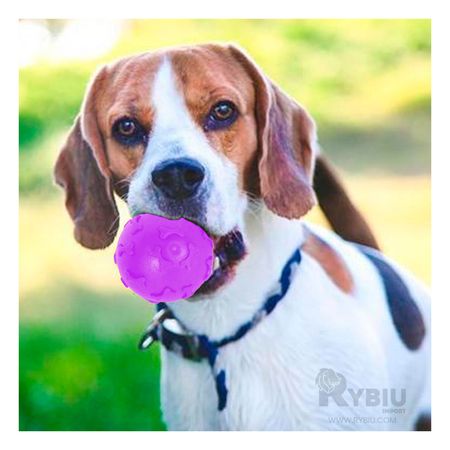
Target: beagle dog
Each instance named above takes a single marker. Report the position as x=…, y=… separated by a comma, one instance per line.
x=297, y=328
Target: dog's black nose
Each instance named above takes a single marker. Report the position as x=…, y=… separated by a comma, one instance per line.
x=178, y=178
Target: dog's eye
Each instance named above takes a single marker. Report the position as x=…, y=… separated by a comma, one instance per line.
x=126, y=127
x=222, y=111
x=129, y=132
x=221, y=115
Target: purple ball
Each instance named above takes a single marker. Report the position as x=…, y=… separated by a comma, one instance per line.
x=163, y=260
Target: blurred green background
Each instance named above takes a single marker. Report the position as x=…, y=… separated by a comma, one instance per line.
x=367, y=84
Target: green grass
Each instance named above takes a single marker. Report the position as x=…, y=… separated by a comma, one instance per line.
x=394, y=146
x=80, y=367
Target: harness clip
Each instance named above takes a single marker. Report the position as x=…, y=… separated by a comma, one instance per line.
x=149, y=336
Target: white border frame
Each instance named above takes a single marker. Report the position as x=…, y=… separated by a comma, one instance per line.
x=225, y=9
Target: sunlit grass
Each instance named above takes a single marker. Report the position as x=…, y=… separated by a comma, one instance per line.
x=399, y=211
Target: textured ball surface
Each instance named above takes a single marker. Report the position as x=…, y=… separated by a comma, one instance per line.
x=163, y=260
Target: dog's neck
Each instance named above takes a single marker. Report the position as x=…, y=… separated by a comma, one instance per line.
x=270, y=241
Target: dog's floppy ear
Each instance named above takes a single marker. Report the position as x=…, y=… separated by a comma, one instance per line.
x=81, y=169
x=286, y=140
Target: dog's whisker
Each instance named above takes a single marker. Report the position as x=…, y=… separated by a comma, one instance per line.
x=113, y=225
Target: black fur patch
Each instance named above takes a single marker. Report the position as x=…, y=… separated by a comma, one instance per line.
x=405, y=314
x=423, y=422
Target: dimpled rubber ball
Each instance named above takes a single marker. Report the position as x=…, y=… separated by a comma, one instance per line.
x=163, y=260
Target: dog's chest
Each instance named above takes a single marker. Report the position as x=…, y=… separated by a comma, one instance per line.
x=258, y=379
x=262, y=382
x=269, y=374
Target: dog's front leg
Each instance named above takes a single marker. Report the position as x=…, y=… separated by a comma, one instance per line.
x=188, y=395
x=189, y=398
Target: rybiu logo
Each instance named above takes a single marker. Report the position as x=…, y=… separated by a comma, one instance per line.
x=333, y=385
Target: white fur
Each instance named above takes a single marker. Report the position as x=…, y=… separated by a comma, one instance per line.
x=270, y=373
x=175, y=134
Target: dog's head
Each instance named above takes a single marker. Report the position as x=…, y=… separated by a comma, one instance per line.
x=195, y=132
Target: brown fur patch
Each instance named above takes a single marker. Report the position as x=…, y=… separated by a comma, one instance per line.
x=222, y=78
x=330, y=261
x=268, y=144
x=122, y=89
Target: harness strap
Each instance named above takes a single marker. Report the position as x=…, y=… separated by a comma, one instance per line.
x=175, y=337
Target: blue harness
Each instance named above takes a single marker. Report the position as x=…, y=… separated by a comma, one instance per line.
x=166, y=329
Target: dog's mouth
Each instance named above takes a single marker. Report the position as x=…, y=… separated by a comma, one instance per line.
x=229, y=250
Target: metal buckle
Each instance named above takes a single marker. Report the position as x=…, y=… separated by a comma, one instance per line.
x=190, y=348
x=148, y=337
x=171, y=327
